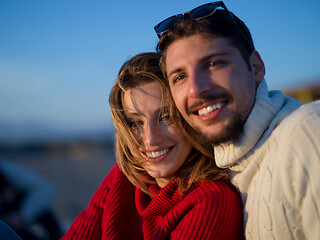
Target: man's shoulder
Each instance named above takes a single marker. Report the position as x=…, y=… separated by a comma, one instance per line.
x=307, y=109
x=306, y=114
x=298, y=135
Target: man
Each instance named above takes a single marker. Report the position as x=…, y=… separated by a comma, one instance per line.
x=269, y=142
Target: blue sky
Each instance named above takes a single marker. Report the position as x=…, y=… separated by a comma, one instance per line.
x=60, y=58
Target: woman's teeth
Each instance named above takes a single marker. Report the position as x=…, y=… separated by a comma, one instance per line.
x=209, y=109
x=157, y=153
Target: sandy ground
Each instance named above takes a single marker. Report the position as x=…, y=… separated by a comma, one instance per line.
x=76, y=174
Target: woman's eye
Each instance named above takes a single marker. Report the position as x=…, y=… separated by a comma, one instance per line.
x=166, y=119
x=134, y=125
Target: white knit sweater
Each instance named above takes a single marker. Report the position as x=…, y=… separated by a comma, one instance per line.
x=275, y=164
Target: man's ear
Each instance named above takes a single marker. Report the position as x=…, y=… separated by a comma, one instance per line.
x=257, y=66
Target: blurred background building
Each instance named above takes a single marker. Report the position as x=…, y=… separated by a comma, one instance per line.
x=305, y=93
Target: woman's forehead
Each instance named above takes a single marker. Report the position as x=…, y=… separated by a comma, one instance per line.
x=143, y=98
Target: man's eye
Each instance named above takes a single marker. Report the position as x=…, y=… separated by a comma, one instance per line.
x=178, y=78
x=216, y=63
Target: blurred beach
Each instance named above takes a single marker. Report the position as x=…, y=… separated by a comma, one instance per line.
x=75, y=169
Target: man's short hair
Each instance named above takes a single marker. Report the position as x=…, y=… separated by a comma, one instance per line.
x=219, y=24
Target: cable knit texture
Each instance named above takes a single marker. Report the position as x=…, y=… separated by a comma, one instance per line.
x=275, y=163
x=118, y=210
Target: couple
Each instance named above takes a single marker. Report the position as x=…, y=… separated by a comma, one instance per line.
x=168, y=183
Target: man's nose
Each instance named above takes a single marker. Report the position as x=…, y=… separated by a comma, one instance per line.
x=198, y=83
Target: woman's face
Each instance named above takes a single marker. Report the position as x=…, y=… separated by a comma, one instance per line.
x=159, y=143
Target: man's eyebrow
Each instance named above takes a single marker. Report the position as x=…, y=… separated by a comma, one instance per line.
x=209, y=57
x=174, y=72
x=201, y=60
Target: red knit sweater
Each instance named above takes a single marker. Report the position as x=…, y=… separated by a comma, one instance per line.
x=118, y=210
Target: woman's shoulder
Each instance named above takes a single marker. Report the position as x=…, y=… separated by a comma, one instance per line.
x=114, y=181
x=215, y=191
x=219, y=206
x=218, y=198
x=114, y=175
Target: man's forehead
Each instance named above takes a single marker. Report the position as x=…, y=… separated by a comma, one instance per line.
x=194, y=48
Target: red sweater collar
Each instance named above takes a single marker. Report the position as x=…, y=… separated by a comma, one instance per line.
x=163, y=201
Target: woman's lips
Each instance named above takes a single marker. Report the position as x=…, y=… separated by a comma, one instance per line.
x=157, y=156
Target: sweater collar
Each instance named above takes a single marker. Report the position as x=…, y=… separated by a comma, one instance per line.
x=267, y=105
x=163, y=201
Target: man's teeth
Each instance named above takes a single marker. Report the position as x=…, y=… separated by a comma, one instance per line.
x=157, y=154
x=209, y=109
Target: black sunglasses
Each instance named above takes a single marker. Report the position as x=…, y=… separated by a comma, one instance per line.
x=197, y=13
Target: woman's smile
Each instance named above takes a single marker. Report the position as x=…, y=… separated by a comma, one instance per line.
x=160, y=143
x=157, y=156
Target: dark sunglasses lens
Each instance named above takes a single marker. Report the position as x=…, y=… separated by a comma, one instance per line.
x=203, y=11
x=166, y=25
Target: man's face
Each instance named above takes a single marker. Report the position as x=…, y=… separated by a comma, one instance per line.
x=212, y=85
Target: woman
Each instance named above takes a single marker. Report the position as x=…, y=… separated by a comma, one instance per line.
x=162, y=187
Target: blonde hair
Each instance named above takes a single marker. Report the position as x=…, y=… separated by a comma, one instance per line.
x=199, y=165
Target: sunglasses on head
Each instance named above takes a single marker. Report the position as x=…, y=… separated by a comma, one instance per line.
x=197, y=13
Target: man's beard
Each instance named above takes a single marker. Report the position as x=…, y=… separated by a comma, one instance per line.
x=231, y=132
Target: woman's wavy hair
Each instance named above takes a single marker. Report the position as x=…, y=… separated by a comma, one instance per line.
x=199, y=166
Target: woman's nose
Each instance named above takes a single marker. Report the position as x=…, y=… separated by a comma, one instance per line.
x=152, y=134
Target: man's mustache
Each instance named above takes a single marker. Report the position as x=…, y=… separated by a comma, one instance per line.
x=208, y=98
